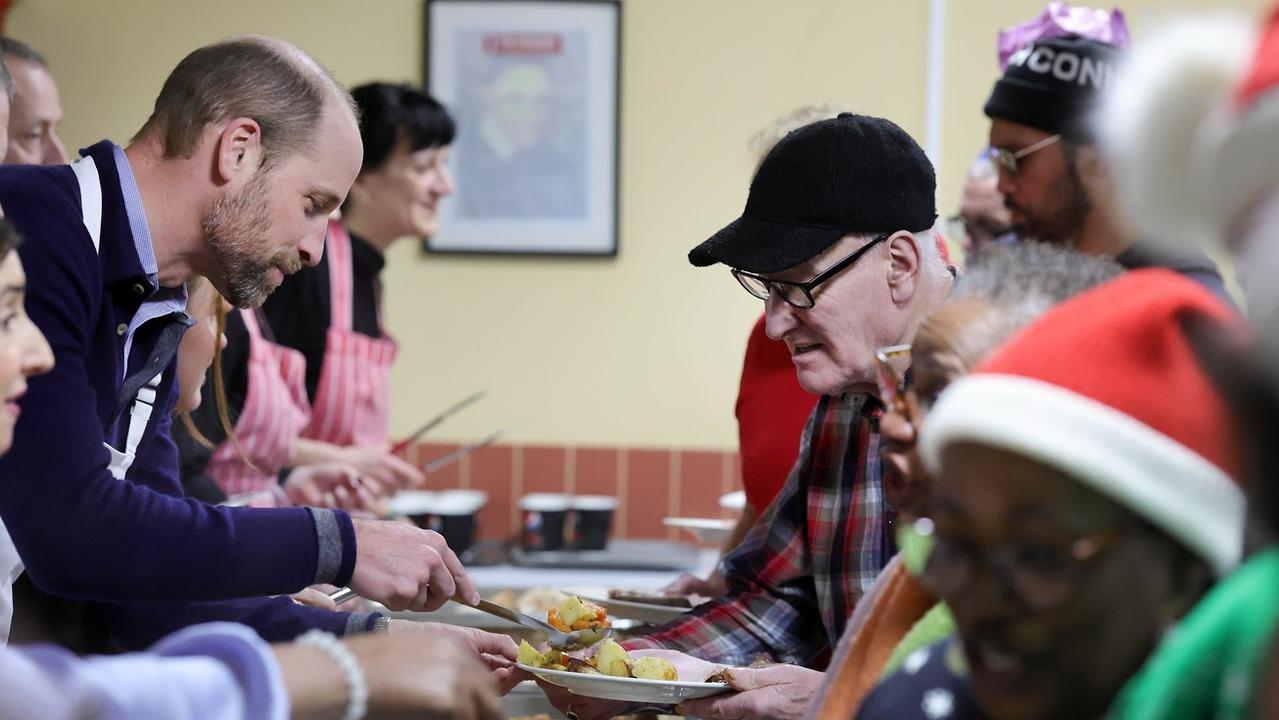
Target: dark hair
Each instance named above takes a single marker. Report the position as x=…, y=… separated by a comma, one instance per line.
x=268, y=80
x=391, y=113
x=19, y=49
x=9, y=238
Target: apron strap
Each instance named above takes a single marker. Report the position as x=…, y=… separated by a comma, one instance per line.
x=341, y=277
x=86, y=173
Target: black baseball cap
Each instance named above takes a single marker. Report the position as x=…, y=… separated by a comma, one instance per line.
x=849, y=174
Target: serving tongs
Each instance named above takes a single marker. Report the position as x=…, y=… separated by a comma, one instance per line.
x=402, y=445
x=555, y=637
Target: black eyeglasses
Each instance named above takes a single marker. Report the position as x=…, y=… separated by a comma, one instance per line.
x=800, y=295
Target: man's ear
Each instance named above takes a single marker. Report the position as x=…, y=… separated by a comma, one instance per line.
x=237, y=151
x=904, y=266
x=1090, y=165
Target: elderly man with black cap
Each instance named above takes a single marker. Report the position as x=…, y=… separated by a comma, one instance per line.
x=1056, y=184
x=836, y=240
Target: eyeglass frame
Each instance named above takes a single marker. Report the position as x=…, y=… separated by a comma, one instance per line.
x=1007, y=159
x=997, y=561
x=806, y=288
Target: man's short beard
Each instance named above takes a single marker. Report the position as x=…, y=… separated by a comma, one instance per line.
x=1065, y=223
x=235, y=228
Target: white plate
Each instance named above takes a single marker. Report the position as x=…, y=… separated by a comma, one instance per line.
x=715, y=530
x=644, y=612
x=655, y=692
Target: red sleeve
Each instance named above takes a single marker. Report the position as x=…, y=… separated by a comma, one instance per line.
x=771, y=411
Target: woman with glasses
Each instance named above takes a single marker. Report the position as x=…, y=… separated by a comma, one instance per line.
x=1082, y=500
x=1002, y=290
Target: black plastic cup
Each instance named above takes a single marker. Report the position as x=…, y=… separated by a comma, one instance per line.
x=456, y=517
x=593, y=521
x=544, y=520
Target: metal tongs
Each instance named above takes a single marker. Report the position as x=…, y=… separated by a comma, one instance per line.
x=402, y=445
x=555, y=637
x=449, y=458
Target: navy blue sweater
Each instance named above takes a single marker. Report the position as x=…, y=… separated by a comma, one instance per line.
x=153, y=558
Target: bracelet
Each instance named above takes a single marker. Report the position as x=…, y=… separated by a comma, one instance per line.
x=357, y=703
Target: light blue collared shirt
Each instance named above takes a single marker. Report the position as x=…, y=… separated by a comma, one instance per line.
x=160, y=301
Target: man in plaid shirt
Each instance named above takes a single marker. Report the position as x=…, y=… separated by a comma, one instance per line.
x=836, y=239
x=794, y=579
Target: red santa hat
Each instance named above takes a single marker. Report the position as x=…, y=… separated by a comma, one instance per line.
x=1107, y=388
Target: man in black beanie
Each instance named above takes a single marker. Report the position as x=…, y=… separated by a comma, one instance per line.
x=836, y=239
x=1056, y=184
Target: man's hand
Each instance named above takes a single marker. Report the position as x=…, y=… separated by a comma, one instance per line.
x=407, y=568
x=689, y=584
x=776, y=692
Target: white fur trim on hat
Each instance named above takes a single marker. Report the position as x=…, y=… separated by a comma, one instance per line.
x=1166, y=105
x=1160, y=479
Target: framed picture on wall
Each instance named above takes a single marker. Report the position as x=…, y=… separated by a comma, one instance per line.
x=533, y=86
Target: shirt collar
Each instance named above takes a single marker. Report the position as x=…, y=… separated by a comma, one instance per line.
x=137, y=215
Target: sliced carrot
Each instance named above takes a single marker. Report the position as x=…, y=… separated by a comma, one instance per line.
x=553, y=618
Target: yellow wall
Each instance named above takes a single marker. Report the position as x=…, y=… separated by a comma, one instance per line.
x=640, y=350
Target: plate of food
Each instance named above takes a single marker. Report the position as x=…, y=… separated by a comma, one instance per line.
x=652, y=677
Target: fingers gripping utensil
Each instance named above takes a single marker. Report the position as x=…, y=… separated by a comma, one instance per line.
x=346, y=594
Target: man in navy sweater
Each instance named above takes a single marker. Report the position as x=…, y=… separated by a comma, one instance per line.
x=250, y=146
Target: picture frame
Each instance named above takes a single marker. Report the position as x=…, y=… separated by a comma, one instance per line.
x=534, y=87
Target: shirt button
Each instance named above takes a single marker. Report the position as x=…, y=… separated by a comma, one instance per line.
x=139, y=289
x=121, y=329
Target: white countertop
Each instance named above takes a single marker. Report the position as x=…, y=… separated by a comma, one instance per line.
x=521, y=578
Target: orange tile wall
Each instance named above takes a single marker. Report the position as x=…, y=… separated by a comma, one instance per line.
x=650, y=484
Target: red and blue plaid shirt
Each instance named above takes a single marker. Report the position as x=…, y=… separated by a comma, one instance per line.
x=796, y=576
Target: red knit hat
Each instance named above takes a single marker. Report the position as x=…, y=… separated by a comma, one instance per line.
x=1107, y=388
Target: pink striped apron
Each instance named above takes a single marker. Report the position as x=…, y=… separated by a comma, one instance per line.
x=353, y=397
x=275, y=411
